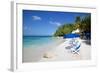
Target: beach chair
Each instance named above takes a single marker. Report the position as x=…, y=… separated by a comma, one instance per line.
x=71, y=42
x=76, y=47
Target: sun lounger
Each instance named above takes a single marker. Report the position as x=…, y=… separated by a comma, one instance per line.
x=76, y=47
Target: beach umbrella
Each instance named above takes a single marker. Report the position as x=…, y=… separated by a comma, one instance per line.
x=76, y=31
x=71, y=35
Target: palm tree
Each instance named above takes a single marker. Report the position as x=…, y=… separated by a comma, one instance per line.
x=86, y=24
x=77, y=22
x=78, y=19
x=64, y=29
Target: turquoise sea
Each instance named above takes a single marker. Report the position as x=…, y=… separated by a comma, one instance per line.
x=38, y=41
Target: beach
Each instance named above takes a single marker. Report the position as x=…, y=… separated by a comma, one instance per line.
x=60, y=53
x=50, y=36
x=35, y=52
x=57, y=52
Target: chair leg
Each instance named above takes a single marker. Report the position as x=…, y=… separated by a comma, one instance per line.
x=76, y=52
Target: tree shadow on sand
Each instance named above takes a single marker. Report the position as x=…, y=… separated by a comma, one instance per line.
x=88, y=42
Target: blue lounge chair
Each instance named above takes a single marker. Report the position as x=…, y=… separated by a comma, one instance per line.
x=76, y=47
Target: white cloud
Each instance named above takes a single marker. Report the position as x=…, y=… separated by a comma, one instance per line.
x=36, y=18
x=55, y=23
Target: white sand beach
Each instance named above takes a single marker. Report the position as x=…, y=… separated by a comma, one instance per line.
x=58, y=53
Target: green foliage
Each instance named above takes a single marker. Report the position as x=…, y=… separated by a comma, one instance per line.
x=83, y=24
x=64, y=29
x=77, y=22
x=86, y=24
x=78, y=19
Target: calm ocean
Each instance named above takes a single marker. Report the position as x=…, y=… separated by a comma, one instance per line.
x=38, y=41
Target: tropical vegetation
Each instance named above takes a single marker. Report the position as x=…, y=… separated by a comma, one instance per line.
x=81, y=23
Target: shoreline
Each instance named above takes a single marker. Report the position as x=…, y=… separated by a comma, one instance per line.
x=57, y=53
x=35, y=54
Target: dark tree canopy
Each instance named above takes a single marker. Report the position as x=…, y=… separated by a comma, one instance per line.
x=83, y=24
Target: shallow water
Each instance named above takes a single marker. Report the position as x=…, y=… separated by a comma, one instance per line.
x=34, y=47
x=35, y=41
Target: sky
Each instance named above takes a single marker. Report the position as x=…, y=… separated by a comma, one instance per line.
x=43, y=23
